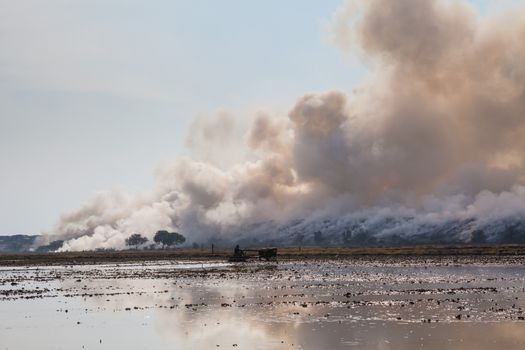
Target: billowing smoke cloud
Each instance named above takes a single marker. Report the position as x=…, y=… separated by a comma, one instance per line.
x=429, y=149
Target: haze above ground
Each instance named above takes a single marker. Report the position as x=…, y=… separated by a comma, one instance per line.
x=95, y=94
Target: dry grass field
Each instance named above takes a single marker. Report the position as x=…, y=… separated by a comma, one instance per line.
x=295, y=253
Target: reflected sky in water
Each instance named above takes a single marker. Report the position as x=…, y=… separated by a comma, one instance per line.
x=315, y=305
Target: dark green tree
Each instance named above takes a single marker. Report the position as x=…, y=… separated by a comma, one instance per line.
x=135, y=240
x=168, y=238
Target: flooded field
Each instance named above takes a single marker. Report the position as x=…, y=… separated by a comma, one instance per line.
x=395, y=303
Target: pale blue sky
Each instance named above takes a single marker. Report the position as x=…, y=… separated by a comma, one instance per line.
x=95, y=93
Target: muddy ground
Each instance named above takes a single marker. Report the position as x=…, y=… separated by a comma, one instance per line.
x=310, y=299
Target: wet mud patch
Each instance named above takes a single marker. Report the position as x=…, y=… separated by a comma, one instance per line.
x=364, y=303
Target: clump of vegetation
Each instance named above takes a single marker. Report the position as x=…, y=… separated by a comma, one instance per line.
x=167, y=239
x=135, y=240
x=51, y=247
x=16, y=243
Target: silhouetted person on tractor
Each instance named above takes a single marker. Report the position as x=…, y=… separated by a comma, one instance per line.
x=237, y=252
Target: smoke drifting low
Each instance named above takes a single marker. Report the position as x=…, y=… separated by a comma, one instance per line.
x=429, y=149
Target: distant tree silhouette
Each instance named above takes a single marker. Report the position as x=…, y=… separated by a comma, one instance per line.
x=51, y=247
x=135, y=240
x=168, y=238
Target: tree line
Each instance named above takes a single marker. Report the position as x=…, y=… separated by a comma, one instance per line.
x=164, y=238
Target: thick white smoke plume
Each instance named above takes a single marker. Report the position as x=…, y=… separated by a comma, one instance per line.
x=429, y=149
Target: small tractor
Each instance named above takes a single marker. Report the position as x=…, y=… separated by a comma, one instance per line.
x=242, y=255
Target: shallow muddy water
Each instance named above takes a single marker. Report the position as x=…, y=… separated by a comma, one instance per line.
x=366, y=304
